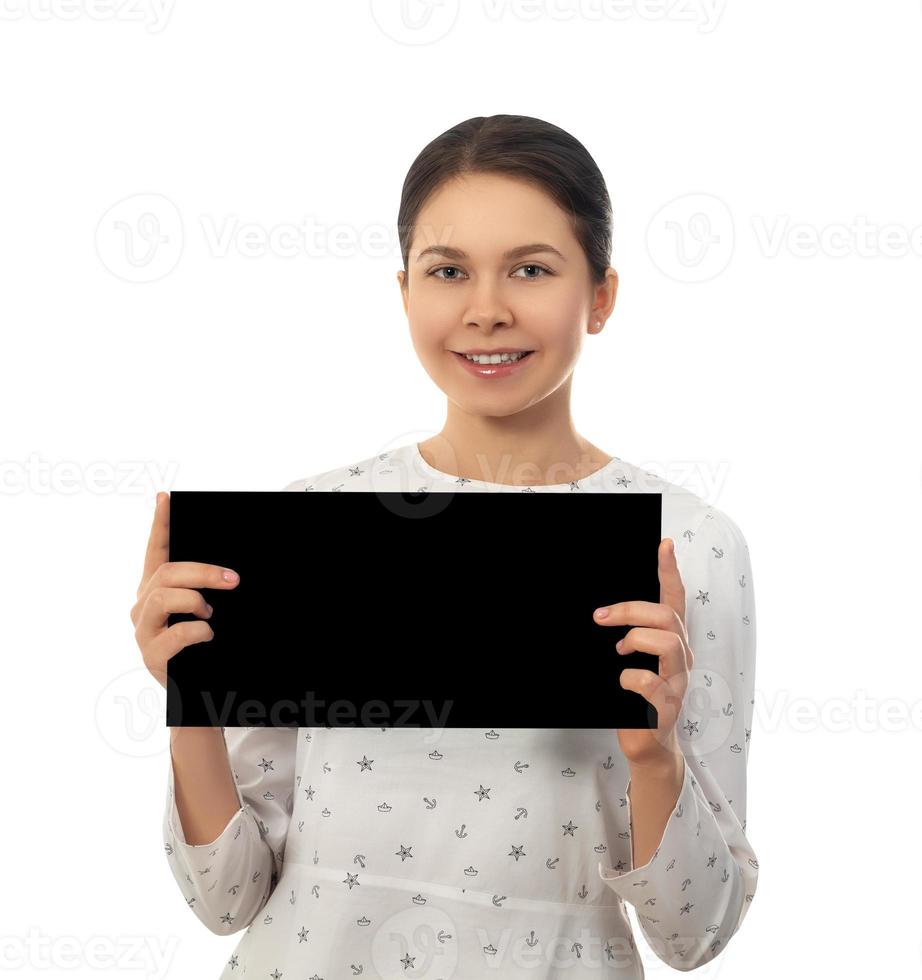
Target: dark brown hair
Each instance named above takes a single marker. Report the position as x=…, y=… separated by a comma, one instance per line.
x=523, y=147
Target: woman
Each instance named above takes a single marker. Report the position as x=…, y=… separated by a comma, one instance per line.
x=390, y=852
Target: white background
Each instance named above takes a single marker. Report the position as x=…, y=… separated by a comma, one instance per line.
x=763, y=351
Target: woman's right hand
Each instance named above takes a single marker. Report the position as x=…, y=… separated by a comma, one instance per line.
x=171, y=587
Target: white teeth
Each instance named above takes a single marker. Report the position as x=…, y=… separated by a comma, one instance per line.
x=493, y=358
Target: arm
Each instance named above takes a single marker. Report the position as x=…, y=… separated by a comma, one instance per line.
x=693, y=892
x=227, y=880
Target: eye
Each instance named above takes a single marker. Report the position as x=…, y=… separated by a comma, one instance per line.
x=440, y=269
x=455, y=278
x=532, y=265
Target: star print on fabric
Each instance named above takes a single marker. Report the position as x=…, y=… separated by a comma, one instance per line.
x=282, y=848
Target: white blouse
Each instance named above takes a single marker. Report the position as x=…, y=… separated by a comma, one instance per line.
x=456, y=852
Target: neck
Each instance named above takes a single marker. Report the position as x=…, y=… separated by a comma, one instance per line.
x=511, y=450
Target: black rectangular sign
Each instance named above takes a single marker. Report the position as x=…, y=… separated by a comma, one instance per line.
x=434, y=609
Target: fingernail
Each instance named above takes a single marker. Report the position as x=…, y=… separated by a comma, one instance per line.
x=230, y=575
x=618, y=645
x=601, y=613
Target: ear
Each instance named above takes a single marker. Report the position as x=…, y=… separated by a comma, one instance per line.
x=404, y=290
x=604, y=298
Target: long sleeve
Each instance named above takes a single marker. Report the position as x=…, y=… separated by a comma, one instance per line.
x=694, y=893
x=228, y=881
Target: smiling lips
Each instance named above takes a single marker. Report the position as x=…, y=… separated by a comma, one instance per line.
x=498, y=350
x=497, y=369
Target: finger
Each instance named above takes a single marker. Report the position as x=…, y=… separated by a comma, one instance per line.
x=168, y=643
x=671, y=589
x=160, y=603
x=668, y=646
x=158, y=544
x=192, y=575
x=637, y=612
x=655, y=689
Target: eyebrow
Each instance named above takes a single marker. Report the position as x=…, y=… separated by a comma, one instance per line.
x=446, y=251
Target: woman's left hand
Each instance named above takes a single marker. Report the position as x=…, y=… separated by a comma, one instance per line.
x=659, y=628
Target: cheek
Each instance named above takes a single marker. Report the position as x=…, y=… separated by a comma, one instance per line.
x=555, y=322
x=557, y=302
x=430, y=334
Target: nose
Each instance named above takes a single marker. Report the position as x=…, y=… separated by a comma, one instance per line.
x=487, y=308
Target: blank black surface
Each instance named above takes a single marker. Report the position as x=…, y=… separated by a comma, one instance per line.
x=435, y=609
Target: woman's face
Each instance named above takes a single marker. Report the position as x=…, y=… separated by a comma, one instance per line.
x=464, y=293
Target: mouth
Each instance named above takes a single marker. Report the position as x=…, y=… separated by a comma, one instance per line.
x=498, y=365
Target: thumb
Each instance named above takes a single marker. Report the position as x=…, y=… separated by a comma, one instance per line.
x=671, y=588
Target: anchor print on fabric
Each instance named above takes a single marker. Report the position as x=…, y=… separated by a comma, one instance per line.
x=489, y=834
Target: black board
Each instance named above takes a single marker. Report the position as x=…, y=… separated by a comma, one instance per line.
x=434, y=609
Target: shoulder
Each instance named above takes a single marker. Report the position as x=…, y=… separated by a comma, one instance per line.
x=713, y=558
x=386, y=471
x=689, y=518
x=711, y=550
